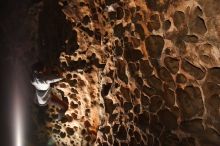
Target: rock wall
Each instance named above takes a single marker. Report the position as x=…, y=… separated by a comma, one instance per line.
x=139, y=73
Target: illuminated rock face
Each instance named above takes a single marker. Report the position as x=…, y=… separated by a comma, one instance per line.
x=140, y=73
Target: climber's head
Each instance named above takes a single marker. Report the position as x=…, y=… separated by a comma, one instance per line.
x=38, y=70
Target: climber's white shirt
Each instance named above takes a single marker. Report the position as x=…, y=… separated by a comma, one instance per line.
x=43, y=88
x=41, y=85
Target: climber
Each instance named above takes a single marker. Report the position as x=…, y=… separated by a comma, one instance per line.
x=45, y=94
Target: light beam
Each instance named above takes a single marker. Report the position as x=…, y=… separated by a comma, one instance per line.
x=18, y=121
x=18, y=108
x=18, y=125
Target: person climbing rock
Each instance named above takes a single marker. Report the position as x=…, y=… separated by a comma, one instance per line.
x=45, y=93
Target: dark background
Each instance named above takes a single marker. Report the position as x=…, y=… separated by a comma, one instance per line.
x=11, y=12
x=17, y=54
x=30, y=31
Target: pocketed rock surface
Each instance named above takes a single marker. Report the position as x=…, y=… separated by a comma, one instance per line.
x=137, y=72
